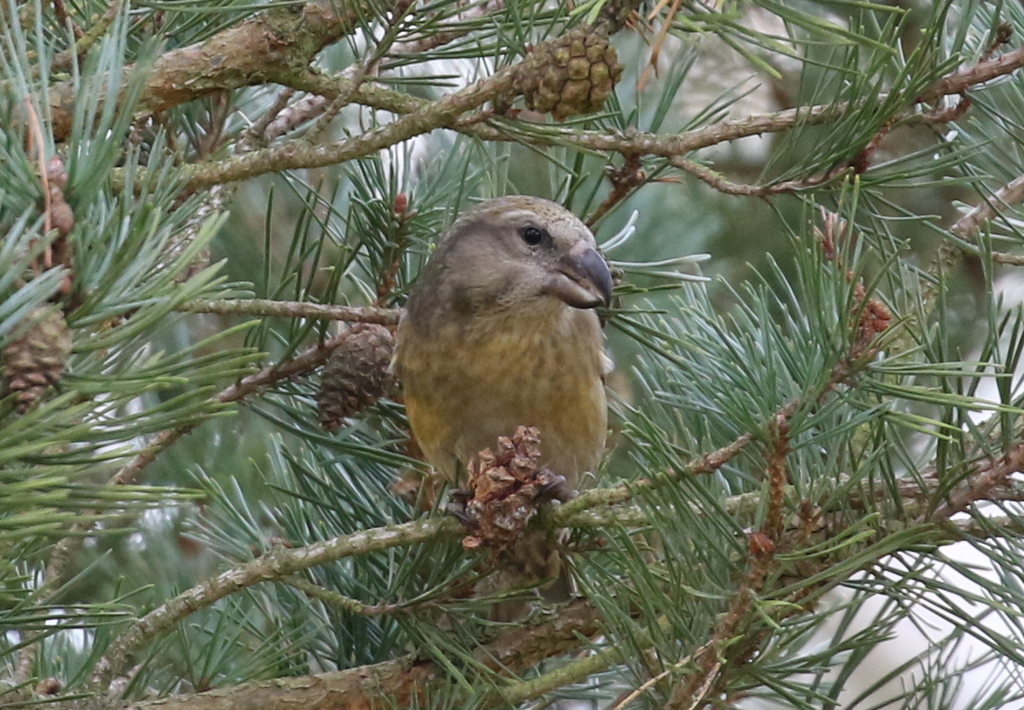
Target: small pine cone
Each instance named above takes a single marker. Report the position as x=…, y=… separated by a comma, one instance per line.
x=36, y=359
x=356, y=375
x=508, y=486
x=571, y=75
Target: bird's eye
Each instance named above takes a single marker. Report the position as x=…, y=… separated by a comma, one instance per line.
x=532, y=235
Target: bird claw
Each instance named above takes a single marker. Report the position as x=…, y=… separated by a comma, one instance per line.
x=458, y=506
x=463, y=495
x=554, y=487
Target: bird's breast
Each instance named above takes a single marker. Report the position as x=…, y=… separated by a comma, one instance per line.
x=466, y=385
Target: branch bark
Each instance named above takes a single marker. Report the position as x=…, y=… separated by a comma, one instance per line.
x=403, y=682
x=294, y=309
x=267, y=47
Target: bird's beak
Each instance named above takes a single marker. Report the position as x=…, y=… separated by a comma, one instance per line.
x=581, y=279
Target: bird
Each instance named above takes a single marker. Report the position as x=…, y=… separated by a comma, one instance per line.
x=499, y=331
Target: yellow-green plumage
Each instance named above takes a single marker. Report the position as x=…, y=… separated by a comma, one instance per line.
x=466, y=387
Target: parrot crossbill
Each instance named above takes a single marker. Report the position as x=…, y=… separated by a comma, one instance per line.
x=500, y=332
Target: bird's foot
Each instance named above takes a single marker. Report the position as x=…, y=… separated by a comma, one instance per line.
x=458, y=506
x=554, y=487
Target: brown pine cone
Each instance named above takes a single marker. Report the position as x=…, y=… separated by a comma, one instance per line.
x=571, y=75
x=35, y=360
x=356, y=375
x=507, y=486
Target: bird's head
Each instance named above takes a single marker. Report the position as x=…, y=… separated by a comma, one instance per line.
x=512, y=251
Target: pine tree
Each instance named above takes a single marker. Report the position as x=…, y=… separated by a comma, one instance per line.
x=212, y=213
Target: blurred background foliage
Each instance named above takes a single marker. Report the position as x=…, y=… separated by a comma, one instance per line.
x=804, y=225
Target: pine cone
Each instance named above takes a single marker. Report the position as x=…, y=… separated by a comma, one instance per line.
x=36, y=359
x=571, y=75
x=507, y=486
x=356, y=375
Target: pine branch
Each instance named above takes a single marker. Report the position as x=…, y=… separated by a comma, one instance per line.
x=352, y=79
x=272, y=44
x=247, y=56
x=83, y=43
x=262, y=48
x=590, y=509
x=282, y=562
x=404, y=682
x=968, y=226
x=399, y=681
x=294, y=309
x=381, y=98
x=274, y=565
x=422, y=116
x=296, y=154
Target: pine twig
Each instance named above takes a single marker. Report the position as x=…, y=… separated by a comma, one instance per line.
x=258, y=133
x=404, y=682
x=274, y=565
x=625, y=181
x=775, y=475
x=968, y=226
x=86, y=40
x=1008, y=259
x=441, y=37
x=333, y=598
x=989, y=476
x=328, y=110
x=294, y=309
x=575, y=671
x=60, y=11
x=726, y=186
x=762, y=547
x=632, y=695
x=965, y=78
x=302, y=111
x=302, y=363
